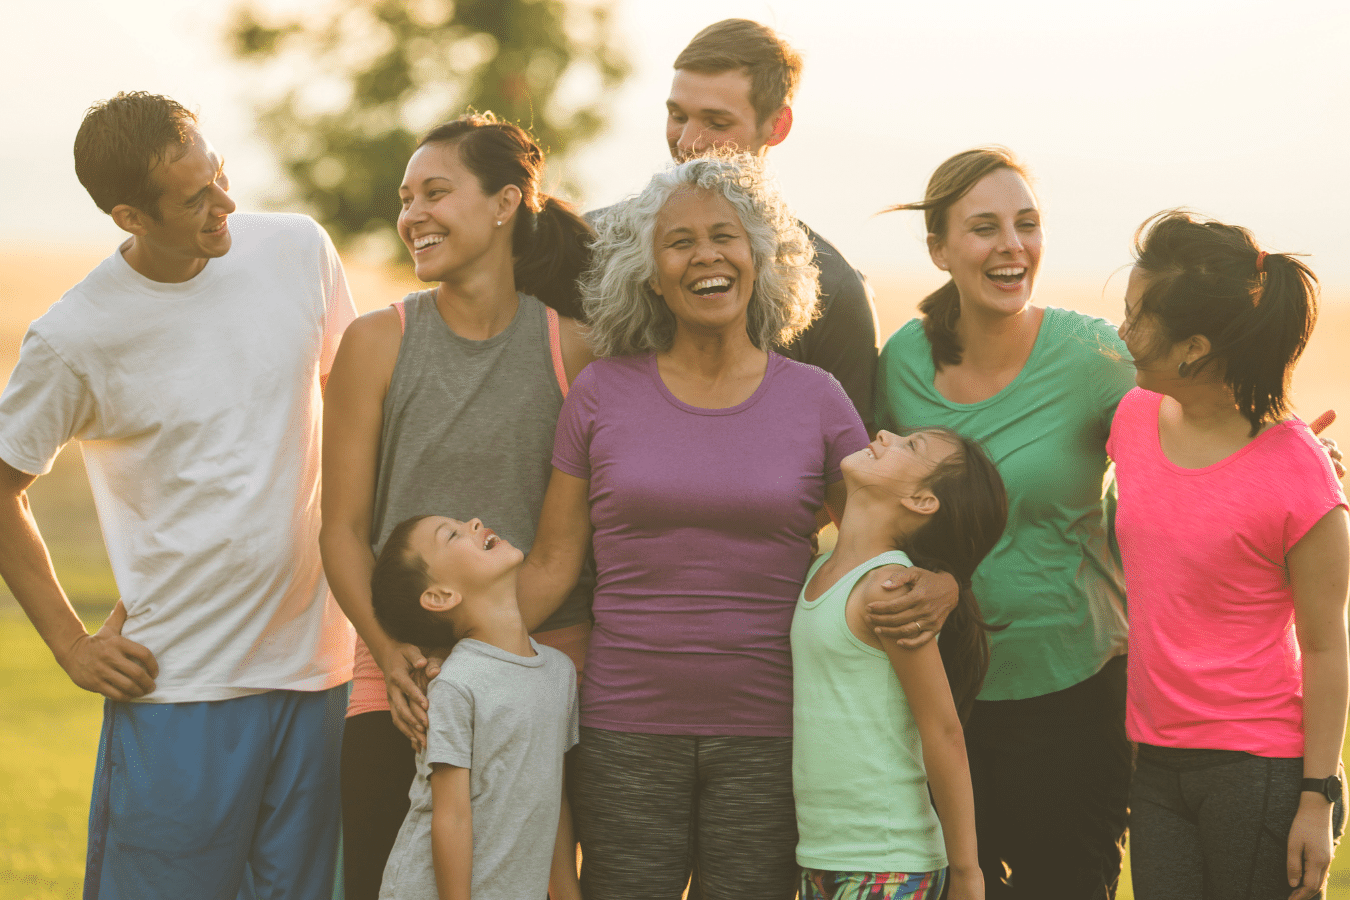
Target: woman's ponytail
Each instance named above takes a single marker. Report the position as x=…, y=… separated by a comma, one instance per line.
x=940, y=311
x=553, y=248
x=550, y=242
x=1257, y=309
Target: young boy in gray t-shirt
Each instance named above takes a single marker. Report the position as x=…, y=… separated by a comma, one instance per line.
x=488, y=815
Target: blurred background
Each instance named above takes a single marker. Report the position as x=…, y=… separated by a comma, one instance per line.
x=1236, y=109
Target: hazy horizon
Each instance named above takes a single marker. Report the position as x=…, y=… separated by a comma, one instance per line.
x=1120, y=111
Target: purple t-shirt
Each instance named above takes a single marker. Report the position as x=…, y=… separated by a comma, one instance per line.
x=703, y=521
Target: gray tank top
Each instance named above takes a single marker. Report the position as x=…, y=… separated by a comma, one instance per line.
x=468, y=430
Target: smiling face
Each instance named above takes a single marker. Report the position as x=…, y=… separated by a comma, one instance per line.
x=901, y=464
x=705, y=272
x=447, y=222
x=463, y=557
x=191, y=225
x=992, y=245
x=713, y=109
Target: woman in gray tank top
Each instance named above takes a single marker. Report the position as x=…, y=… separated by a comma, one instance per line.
x=446, y=403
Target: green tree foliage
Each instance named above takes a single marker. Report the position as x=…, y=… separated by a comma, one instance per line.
x=345, y=92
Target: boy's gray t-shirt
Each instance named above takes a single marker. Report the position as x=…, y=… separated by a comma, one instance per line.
x=508, y=719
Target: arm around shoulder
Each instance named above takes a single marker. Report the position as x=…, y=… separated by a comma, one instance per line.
x=353, y=419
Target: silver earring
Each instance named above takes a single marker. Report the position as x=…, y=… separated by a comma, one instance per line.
x=1183, y=370
x=499, y=224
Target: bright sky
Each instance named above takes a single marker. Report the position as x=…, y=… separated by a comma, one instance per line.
x=1238, y=109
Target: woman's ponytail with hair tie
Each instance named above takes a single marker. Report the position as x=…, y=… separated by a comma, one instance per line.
x=1260, y=289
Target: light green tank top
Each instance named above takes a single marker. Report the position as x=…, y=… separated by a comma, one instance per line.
x=857, y=765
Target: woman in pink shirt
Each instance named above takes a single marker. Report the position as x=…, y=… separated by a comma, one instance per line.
x=1234, y=535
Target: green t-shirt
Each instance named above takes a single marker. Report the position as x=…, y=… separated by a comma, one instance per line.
x=1053, y=577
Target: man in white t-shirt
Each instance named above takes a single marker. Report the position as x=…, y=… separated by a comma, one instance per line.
x=189, y=364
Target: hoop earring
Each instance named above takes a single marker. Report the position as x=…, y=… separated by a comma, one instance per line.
x=1183, y=370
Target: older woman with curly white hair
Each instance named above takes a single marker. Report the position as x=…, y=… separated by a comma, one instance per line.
x=700, y=459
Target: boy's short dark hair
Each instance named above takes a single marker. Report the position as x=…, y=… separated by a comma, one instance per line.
x=121, y=141
x=396, y=586
x=774, y=67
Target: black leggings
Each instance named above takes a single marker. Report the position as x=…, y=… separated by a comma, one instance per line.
x=646, y=804
x=1052, y=776
x=1213, y=824
x=378, y=765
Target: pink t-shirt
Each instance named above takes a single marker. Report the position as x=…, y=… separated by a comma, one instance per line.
x=703, y=521
x=1214, y=661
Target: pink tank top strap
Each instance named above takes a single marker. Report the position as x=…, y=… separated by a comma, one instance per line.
x=402, y=316
x=555, y=347
x=368, y=694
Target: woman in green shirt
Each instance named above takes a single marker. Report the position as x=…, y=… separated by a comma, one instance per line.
x=1038, y=388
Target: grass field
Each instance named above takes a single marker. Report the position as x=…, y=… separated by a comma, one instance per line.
x=48, y=727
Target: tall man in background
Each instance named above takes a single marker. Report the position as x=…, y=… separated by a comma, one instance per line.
x=733, y=87
x=189, y=365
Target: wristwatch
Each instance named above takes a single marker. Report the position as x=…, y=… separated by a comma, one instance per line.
x=1329, y=787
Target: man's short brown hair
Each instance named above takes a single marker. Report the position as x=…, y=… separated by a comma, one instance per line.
x=740, y=44
x=121, y=141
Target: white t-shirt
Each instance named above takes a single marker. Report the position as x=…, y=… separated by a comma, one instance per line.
x=197, y=406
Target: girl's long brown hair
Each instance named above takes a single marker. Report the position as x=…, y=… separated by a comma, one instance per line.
x=971, y=515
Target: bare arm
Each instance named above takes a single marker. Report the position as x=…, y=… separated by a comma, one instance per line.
x=353, y=418
x=944, y=757
x=1319, y=572
x=559, y=550
x=105, y=663
x=562, y=879
x=451, y=832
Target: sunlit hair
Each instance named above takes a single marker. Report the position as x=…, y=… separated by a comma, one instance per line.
x=396, y=585
x=950, y=182
x=1200, y=278
x=122, y=140
x=773, y=67
x=550, y=242
x=626, y=316
x=971, y=515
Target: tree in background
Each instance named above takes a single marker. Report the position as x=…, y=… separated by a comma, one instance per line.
x=349, y=88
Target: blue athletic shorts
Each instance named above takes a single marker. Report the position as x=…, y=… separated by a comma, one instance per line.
x=222, y=800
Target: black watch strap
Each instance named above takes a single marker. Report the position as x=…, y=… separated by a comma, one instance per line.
x=1329, y=787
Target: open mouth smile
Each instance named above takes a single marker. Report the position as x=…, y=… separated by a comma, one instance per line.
x=1007, y=275
x=710, y=287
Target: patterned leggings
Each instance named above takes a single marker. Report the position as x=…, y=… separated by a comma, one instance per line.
x=647, y=805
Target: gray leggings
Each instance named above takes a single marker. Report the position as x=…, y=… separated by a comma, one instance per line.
x=647, y=805
x=1213, y=824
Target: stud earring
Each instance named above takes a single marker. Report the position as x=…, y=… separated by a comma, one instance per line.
x=499, y=224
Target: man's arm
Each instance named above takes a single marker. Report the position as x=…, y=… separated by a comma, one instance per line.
x=105, y=663
x=451, y=832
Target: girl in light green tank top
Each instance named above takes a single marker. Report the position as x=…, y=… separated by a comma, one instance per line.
x=875, y=726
